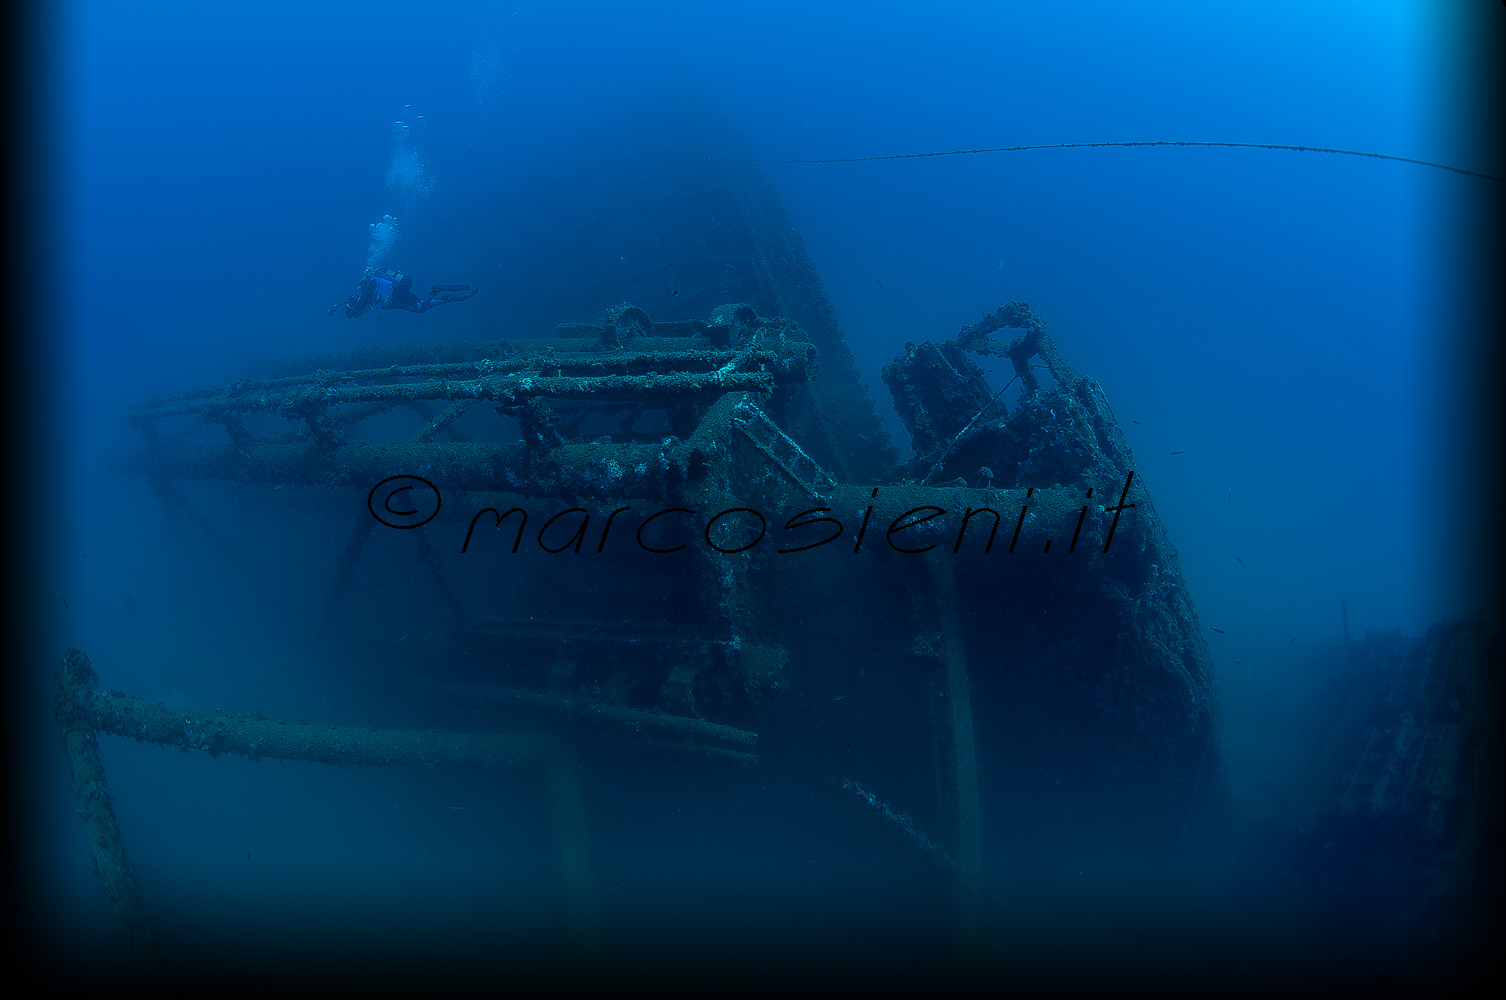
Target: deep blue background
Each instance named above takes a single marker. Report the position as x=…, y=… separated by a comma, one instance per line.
x=1288, y=321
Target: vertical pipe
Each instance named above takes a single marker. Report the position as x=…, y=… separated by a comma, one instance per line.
x=76, y=682
x=964, y=755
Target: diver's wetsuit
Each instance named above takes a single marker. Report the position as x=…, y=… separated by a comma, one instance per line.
x=389, y=289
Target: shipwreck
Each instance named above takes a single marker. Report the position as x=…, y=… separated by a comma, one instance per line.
x=1006, y=594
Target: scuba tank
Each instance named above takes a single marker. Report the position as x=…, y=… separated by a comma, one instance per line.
x=385, y=284
x=400, y=281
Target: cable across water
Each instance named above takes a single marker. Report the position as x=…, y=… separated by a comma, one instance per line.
x=1157, y=142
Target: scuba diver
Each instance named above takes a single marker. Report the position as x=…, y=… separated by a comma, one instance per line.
x=389, y=289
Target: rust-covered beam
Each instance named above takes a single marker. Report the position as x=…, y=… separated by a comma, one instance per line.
x=82, y=706
x=504, y=390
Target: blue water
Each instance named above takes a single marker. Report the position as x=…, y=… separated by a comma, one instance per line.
x=1296, y=326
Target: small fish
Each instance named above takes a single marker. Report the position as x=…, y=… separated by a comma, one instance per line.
x=1231, y=494
x=674, y=293
x=248, y=857
x=1290, y=641
x=880, y=284
x=620, y=880
x=1240, y=662
x=459, y=807
x=1136, y=422
x=65, y=602
x=1219, y=631
x=839, y=697
x=1179, y=453
x=1239, y=560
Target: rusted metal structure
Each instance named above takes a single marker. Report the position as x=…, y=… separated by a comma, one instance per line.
x=684, y=535
x=1402, y=780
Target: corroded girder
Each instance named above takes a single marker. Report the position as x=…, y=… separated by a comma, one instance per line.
x=81, y=705
x=574, y=366
x=588, y=469
x=504, y=390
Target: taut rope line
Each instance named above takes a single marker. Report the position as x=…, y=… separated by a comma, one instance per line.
x=1160, y=142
